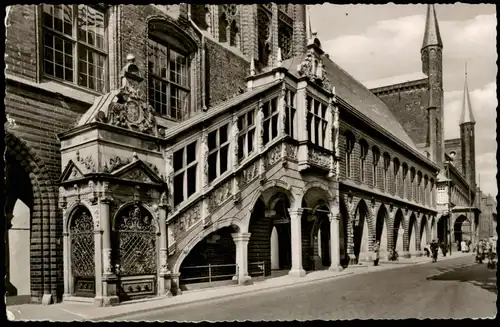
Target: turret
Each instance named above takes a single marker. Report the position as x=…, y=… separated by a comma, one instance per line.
x=432, y=66
x=467, y=134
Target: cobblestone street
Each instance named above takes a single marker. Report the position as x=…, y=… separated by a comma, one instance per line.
x=456, y=288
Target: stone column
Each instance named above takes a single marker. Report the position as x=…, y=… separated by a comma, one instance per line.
x=406, y=236
x=66, y=263
x=241, y=242
x=110, y=281
x=295, y=226
x=164, y=281
x=335, y=241
x=98, y=266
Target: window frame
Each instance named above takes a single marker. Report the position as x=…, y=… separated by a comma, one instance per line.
x=376, y=159
x=317, y=122
x=272, y=118
x=291, y=128
x=216, y=150
x=76, y=45
x=170, y=84
x=184, y=169
x=350, y=144
x=387, y=165
x=363, y=152
x=243, y=133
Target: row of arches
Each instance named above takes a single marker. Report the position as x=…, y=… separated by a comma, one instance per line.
x=402, y=180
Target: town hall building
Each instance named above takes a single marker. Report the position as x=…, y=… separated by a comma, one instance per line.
x=149, y=148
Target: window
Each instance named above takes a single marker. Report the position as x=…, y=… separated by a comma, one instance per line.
x=376, y=158
x=290, y=121
x=285, y=41
x=246, y=136
x=349, y=137
x=362, y=158
x=396, y=175
x=185, y=171
x=316, y=121
x=74, y=49
x=387, y=163
x=412, y=181
x=419, y=186
x=426, y=190
x=168, y=85
x=270, y=110
x=405, y=180
x=218, y=152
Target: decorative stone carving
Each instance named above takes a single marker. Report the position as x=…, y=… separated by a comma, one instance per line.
x=136, y=175
x=129, y=108
x=153, y=168
x=291, y=151
x=336, y=130
x=249, y=173
x=273, y=156
x=163, y=259
x=186, y=220
x=234, y=140
x=94, y=209
x=305, y=68
x=107, y=261
x=319, y=158
x=115, y=163
x=62, y=198
x=260, y=115
x=204, y=155
x=87, y=162
x=92, y=194
x=219, y=195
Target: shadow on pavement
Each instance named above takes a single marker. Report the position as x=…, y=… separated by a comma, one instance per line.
x=478, y=275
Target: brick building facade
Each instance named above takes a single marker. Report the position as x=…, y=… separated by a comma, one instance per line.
x=151, y=142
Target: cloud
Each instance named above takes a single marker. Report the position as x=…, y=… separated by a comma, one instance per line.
x=487, y=172
x=392, y=47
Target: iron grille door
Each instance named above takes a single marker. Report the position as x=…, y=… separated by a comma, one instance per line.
x=82, y=253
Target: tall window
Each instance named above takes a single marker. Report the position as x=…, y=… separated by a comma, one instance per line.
x=185, y=168
x=387, y=164
x=419, y=187
x=168, y=85
x=426, y=190
x=376, y=158
x=218, y=152
x=363, y=145
x=412, y=181
x=405, y=180
x=246, y=137
x=396, y=175
x=74, y=49
x=291, y=122
x=349, y=138
x=270, y=110
x=316, y=121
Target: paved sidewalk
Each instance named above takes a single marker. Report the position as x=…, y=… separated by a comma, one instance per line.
x=83, y=311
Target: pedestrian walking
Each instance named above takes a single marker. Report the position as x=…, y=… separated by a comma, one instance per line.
x=434, y=250
x=463, y=246
x=376, y=250
x=427, y=250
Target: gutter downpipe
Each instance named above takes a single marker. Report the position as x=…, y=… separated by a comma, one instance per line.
x=203, y=64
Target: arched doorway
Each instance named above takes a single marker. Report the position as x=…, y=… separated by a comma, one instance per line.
x=442, y=228
x=424, y=231
x=398, y=232
x=212, y=260
x=135, y=252
x=381, y=230
x=462, y=229
x=344, y=218
x=280, y=242
x=82, y=249
x=361, y=234
x=412, y=235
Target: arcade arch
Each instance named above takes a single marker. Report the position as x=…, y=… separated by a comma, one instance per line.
x=381, y=230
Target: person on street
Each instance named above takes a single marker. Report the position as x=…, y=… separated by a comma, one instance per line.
x=376, y=250
x=479, y=258
x=463, y=246
x=443, y=248
x=434, y=250
x=427, y=250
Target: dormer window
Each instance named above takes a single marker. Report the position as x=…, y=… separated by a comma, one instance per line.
x=168, y=85
x=74, y=47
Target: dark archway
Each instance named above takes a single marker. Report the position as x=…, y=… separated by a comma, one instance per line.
x=360, y=230
x=259, y=246
x=45, y=226
x=381, y=230
x=462, y=229
x=344, y=218
x=442, y=227
x=412, y=234
x=213, y=259
x=281, y=223
x=424, y=233
x=398, y=232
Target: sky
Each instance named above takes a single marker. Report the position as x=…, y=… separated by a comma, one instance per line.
x=382, y=42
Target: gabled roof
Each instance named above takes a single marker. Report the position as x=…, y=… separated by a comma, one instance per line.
x=358, y=96
x=137, y=170
x=71, y=171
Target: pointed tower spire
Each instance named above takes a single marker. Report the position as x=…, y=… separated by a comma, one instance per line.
x=467, y=116
x=309, y=31
x=432, y=35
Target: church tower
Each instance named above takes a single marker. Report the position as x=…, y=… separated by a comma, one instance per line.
x=432, y=66
x=467, y=135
